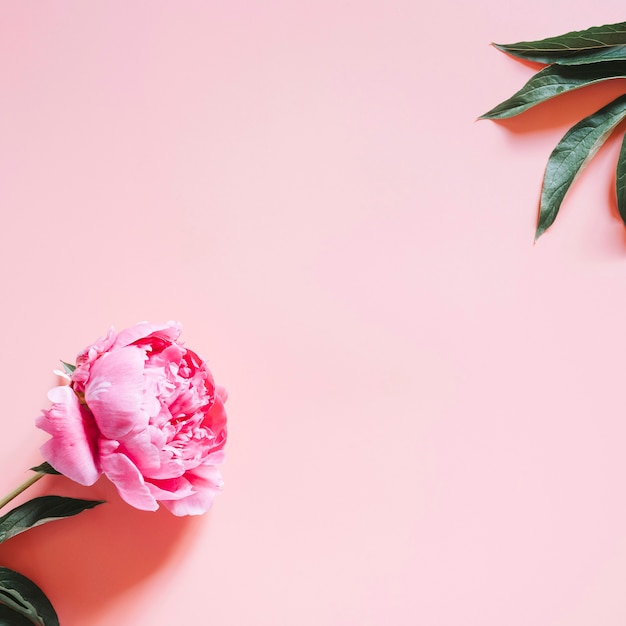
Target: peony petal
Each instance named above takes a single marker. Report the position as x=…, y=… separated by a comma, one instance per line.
x=103, y=344
x=115, y=391
x=216, y=458
x=126, y=477
x=207, y=483
x=85, y=359
x=172, y=489
x=141, y=450
x=72, y=449
x=196, y=504
x=222, y=392
x=170, y=331
x=215, y=420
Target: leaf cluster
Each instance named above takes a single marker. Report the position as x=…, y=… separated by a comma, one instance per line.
x=573, y=60
x=22, y=602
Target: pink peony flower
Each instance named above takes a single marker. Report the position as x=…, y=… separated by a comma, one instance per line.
x=143, y=410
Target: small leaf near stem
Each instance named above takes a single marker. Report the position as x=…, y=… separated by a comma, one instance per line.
x=68, y=367
x=45, y=468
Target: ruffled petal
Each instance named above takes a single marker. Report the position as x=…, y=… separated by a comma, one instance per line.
x=141, y=450
x=72, y=449
x=87, y=357
x=169, y=331
x=128, y=480
x=207, y=483
x=222, y=392
x=171, y=489
x=115, y=391
x=215, y=420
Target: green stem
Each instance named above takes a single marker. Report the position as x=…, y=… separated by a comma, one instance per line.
x=23, y=487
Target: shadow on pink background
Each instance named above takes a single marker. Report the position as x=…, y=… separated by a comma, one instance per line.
x=98, y=554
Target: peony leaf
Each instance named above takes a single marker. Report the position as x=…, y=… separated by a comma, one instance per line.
x=68, y=367
x=45, y=468
x=613, y=53
x=620, y=181
x=566, y=47
x=552, y=81
x=23, y=602
x=8, y=617
x=40, y=511
x=572, y=154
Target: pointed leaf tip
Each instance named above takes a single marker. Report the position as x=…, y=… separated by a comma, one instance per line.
x=68, y=367
x=553, y=81
x=571, y=155
x=564, y=48
x=39, y=511
x=45, y=468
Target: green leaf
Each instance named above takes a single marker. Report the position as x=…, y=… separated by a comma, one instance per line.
x=614, y=53
x=25, y=599
x=46, y=468
x=620, y=181
x=68, y=367
x=555, y=49
x=40, y=511
x=8, y=617
x=552, y=81
x=572, y=154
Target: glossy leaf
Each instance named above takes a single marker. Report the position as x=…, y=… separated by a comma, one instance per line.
x=40, y=511
x=553, y=81
x=570, y=156
x=25, y=599
x=567, y=46
x=46, y=468
x=614, y=53
x=620, y=181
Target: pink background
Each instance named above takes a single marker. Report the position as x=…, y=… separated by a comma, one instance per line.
x=427, y=420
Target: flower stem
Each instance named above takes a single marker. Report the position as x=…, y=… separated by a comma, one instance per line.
x=23, y=487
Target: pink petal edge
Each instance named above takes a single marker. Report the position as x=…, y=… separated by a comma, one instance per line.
x=71, y=450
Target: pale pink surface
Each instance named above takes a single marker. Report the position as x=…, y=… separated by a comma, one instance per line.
x=426, y=409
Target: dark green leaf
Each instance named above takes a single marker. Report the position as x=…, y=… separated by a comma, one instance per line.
x=614, y=53
x=24, y=598
x=40, y=511
x=570, y=156
x=46, y=468
x=620, y=181
x=68, y=367
x=555, y=49
x=8, y=617
x=552, y=81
